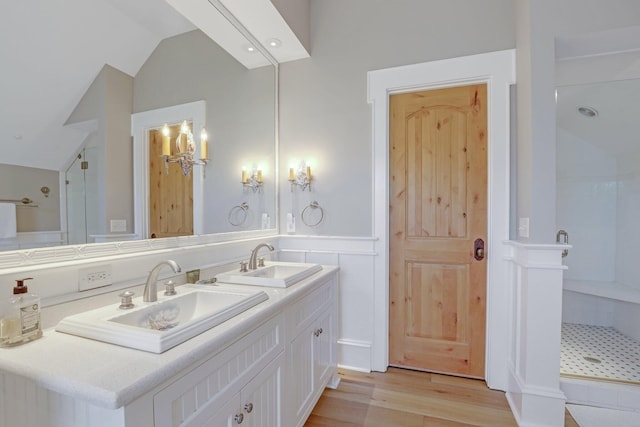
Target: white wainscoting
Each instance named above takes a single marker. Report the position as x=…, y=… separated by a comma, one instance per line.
x=355, y=256
x=33, y=405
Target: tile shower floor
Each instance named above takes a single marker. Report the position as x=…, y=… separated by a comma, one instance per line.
x=599, y=352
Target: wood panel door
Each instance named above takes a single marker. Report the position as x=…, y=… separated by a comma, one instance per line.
x=170, y=195
x=438, y=208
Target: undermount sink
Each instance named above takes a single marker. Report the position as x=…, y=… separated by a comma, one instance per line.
x=273, y=274
x=159, y=326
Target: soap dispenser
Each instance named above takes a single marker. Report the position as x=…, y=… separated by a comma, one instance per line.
x=20, y=317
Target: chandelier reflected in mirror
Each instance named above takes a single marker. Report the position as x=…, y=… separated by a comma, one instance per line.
x=184, y=149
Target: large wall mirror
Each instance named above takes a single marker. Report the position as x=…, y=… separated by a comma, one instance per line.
x=81, y=73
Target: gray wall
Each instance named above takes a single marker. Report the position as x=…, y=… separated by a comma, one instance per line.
x=240, y=118
x=108, y=100
x=118, y=152
x=324, y=114
x=17, y=182
x=539, y=22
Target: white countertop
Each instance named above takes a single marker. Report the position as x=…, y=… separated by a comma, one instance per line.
x=112, y=376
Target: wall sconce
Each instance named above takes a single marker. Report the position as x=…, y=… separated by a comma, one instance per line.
x=252, y=180
x=185, y=148
x=300, y=176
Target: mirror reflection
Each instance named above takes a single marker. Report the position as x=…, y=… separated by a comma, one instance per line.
x=79, y=73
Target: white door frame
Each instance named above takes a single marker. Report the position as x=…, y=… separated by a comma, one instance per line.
x=497, y=69
x=141, y=123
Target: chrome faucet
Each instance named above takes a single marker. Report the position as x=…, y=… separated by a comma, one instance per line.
x=254, y=255
x=150, y=293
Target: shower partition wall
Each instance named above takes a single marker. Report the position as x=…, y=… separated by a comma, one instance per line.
x=82, y=190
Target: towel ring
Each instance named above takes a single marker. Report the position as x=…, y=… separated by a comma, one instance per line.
x=306, y=213
x=238, y=214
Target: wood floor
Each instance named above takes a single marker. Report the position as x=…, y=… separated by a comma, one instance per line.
x=403, y=398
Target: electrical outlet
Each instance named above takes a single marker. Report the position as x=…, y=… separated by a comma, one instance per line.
x=94, y=277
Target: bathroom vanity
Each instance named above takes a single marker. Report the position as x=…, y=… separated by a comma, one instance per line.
x=266, y=366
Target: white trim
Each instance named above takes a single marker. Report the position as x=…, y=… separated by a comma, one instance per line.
x=141, y=123
x=497, y=69
x=354, y=355
x=62, y=190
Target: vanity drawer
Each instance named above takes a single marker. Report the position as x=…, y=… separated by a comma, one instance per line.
x=208, y=387
x=309, y=305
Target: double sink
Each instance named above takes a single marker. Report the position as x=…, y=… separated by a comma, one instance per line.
x=163, y=324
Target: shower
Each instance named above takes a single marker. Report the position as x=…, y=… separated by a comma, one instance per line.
x=598, y=203
x=81, y=191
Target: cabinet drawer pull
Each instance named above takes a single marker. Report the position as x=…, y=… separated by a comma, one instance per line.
x=317, y=332
x=248, y=407
x=239, y=418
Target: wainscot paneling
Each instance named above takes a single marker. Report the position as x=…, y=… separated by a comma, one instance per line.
x=355, y=256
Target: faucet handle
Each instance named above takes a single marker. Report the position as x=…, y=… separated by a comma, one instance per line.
x=170, y=288
x=243, y=266
x=126, y=300
x=261, y=261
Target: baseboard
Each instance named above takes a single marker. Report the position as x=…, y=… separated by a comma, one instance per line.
x=354, y=355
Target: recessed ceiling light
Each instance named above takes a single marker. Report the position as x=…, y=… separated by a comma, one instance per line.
x=250, y=48
x=274, y=42
x=17, y=136
x=588, y=111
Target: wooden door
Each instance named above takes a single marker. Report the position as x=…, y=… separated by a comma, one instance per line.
x=170, y=195
x=438, y=208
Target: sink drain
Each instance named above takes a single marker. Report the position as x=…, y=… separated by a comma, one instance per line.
x=592, y=359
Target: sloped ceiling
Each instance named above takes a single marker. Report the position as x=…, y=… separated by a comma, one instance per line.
x=615, y=128
x=52, y=51
x=604, y=66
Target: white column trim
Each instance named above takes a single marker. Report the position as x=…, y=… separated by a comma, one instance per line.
x=534, y=393
x=497, y=69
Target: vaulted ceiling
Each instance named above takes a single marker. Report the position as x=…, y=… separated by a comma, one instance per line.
x=52, y=51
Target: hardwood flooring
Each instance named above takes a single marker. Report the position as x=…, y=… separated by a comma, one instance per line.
x=404, y=398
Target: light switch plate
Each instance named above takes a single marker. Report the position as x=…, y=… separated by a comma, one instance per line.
x=523, y=227
x=118, y=225
x=291, y=223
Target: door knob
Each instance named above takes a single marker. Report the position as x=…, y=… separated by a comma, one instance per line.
x=478, y=249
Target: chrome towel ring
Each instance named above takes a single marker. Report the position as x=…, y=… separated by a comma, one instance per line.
x=238, y=214
x=307, y=215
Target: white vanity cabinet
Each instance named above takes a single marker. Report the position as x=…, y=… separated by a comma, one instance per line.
x=257, y=404
x=239, y=385
x=267, y=368
x=312, y=350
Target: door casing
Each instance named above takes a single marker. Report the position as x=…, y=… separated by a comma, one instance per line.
x=497, y=70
